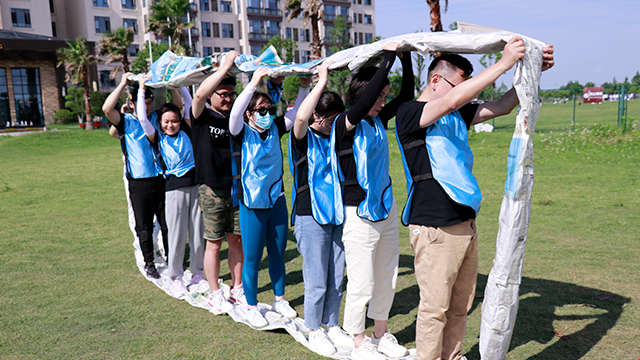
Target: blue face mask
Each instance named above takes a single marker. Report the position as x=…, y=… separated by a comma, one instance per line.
x=264, y=121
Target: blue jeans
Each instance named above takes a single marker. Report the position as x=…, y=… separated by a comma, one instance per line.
x=322, y=269
x=257, y=226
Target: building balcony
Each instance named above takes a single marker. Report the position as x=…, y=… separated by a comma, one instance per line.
x=264, y=11
x=193, y=11
x=331, y=18
x=260, y=36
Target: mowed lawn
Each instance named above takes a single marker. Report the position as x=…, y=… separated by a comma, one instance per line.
x=69, y=287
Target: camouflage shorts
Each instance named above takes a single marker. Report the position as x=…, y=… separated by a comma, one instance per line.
x=218, y=214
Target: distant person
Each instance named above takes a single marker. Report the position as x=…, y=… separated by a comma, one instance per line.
x=444, y=197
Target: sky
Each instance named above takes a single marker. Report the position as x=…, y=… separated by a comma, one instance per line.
x=594, y=41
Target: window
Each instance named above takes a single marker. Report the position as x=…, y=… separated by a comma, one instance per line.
x=304, y=35
x=359, y=2
x=306, y=56
x=329, y=10
x=355, y=38
x=5, y=108
x=225, y=6
x=103, y=24
x=256, y=50
x=360, y=18
x=227, y=31
x=367, y=2
x=128, y=4
x=51, y=8
x=27, y=95
x=368, y=37
x=344, y=11
x=295, y=34
x=54, y=31
x=368, y=19
x=273, y=27
x=329, y=32
x=132, y=23
x=287, y=33
x=105, y=80
x=216, y=49
x=227, y=49
x=360, y=39
x=216, y=30
x=254, y=3
x=206, y=29
x=206, y=50
x=101, y=3
x=214, y=5
x=144, y=3
x=21, y=18
x=273, y=4
x=146, y=20
x=296, y=57
x=204, y=6
x=134, y=49
x=255, y=26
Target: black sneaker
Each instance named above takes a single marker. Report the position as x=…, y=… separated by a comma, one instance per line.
x=151, y=271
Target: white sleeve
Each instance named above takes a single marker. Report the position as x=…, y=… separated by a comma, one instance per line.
x=290, y=116
x=236, y=118
x=186, y=97
x=141, y=110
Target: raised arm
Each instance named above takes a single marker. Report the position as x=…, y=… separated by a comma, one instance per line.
x=210, y=84
x=465, y=91
x=186, y=97
x=509, y=101
x=305, y=111
x=303, y=91
x=109, y=106
x=176, y=98
x=406, y=91
x=236, y=118
x=141, y=110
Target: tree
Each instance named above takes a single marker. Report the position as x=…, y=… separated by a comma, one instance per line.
x=486, y=61
x=339, y=39
x=165, y=21
x=590, y=84
x=286, y=47
x=636, y=78
x=436, y=18
x=420, y=67
x=75, y=102
x=115, y=45
x=141, y=63
x=77, y=59
x=291, y=85
x=311, y=11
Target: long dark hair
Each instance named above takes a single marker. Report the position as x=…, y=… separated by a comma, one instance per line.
x=359, y=81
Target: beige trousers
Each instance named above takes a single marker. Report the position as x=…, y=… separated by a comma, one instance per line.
x=446, y=266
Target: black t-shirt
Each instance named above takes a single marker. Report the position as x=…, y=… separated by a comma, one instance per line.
x=211, y=148
x=431, y=206
x=303, y=198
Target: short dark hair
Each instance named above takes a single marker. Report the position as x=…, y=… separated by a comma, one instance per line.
x=359, y=81
x=451, y=62
x=169, y=107
x=253, y=103
x=329, y=103
x=229, y=80
x=133, y=93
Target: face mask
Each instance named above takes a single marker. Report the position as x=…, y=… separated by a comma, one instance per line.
x=264, y=121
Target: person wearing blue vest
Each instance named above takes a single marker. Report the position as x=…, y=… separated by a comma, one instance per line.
x=183, y=214
x=360, y=157
x=263, y=209
x=443, y=195
x=144, y=172
x=317, y=214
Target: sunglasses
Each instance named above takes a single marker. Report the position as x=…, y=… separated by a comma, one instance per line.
x=227, y=96
x=264, y=111
x=445, y=79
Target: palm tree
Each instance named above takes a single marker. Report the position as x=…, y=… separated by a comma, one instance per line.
x=165, y=21
x=436, y=18
x=115, y=45
x=311, y=10
x=77, y=60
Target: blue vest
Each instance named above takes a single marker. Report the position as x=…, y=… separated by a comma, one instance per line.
x=326, y=199
x=261, y=175
x=371, y=152
x=142, y=159
x=177, y=153
x=451, y=163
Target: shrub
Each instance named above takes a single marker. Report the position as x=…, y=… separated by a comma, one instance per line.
x=63, y=116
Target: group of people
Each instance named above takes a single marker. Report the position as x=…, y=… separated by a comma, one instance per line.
x=211, y=168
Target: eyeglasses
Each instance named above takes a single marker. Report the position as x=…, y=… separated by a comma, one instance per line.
x=445, y=79
x=227, y=96
x=264, y=111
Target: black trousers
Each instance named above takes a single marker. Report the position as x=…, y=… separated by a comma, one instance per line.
x=147, y=199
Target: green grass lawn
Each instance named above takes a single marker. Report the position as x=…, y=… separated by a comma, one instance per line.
x=70, y=287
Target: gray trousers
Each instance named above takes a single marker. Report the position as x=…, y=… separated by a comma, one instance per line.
x=184, y=219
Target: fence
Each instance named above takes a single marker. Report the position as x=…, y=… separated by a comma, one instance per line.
x=564, y=109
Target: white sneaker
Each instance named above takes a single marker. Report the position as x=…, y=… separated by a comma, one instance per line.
x=177, y=289
x=339, y=337
x=388, y=345
x=320, y=343
x=237, y=295
x=218, y=303
x=256, y=319
x=366, y=351
x=283, y=307
x=197, y=279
